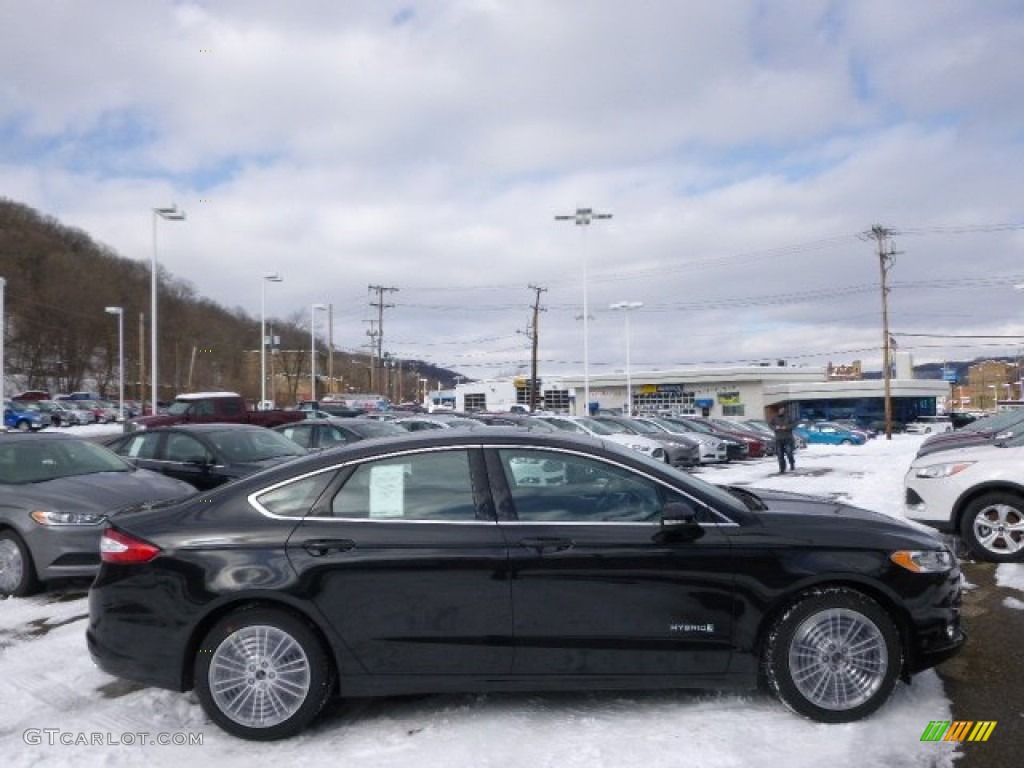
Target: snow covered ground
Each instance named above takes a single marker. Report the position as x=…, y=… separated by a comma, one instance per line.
x=59, y=710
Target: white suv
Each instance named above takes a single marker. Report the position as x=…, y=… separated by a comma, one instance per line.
x=977, y=492
x=927, y=425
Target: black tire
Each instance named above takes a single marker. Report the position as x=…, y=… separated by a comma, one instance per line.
x=834, y=656
x=993, y=527
x=23, y=425
x=280, y=654
x=17, y=571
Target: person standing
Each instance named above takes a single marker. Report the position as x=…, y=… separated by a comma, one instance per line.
x=783, y=426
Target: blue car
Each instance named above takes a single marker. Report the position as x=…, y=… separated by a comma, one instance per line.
x=17, y=416
x=829, y=434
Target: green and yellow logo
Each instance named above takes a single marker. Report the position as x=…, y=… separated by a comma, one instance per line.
x=958, y=730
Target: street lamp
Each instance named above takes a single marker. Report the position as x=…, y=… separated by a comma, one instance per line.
x=312, y=348
x=119, y=311
x=627, y=307
x=268, y=277
x=170, y=214
x=582, y=218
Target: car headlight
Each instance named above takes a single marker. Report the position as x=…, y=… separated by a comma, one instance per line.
x=924, y=561
x=942, y=470
x=51, y=518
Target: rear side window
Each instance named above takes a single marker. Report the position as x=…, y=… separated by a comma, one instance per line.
x=433, y=486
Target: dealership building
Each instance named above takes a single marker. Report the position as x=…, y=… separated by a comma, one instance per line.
x=808, y=392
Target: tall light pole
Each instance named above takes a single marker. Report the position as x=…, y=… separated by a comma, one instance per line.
x=582, y=218
x=627, y=307
x=268, y=277
x=312, y=348
x=170, y=214
x=119, y=311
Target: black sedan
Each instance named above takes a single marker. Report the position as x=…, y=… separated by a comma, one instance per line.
x=55, y=494
x=206, y=455
x=507, y=560
x=318, y=434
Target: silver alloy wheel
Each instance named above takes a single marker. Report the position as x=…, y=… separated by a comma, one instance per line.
x=999, y=528
x=259, y=676
x=838, y=659
x=12, y=566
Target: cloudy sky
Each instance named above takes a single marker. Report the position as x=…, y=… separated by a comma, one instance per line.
x=742, y=147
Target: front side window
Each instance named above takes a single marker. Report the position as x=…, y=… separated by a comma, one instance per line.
x=548, y=486
x=435, y=485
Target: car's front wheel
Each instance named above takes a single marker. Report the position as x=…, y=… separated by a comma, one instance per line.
x=833, y=657
x=17, y=572
x=993, y=527
x=262, y=674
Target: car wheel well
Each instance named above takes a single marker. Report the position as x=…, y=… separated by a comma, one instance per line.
x=202, y=629
x=899, y=616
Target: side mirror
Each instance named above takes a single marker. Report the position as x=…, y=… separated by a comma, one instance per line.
x=679, y=523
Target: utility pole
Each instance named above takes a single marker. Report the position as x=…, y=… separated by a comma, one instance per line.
x=533, y=334
x=886, y=255
x=381, y=306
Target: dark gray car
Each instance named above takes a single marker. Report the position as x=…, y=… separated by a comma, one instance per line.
x=56, y=493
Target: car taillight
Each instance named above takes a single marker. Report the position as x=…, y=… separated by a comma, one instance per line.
x=118, y=547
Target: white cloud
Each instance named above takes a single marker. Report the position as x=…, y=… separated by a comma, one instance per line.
x=429, y=146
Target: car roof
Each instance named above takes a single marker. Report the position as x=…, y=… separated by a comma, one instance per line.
x=203, y=428
x=38, y=436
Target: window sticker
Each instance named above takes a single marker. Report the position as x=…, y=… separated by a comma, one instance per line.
x=387, y=486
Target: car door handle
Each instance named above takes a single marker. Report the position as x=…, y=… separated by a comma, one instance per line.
x=320, y=547
x=547, y=544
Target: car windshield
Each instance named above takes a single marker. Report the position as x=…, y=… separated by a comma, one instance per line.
x=254, y=445
x=36, y=461
x=375, y=429
x=995, y=422
x=596, y=427
x=643, y=428
x=616, y=427
x=178, y=407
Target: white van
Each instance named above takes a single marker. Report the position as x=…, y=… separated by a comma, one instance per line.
x=927, y=425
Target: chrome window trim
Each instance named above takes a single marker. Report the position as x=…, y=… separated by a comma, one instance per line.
x=723, y=521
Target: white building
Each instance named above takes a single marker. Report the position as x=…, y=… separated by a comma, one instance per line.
x=746, y=391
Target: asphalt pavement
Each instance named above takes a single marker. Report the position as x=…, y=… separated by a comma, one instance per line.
x=985, y=681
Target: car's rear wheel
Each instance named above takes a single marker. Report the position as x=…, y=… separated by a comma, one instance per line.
x=993, y=527
x=23, y=425
x=833, y=657
x=17, y=571
x=262, y=674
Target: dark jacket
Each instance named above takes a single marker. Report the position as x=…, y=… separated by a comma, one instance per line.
x=783, y=427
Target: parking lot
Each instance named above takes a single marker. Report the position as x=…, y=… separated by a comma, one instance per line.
x=60, y=695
